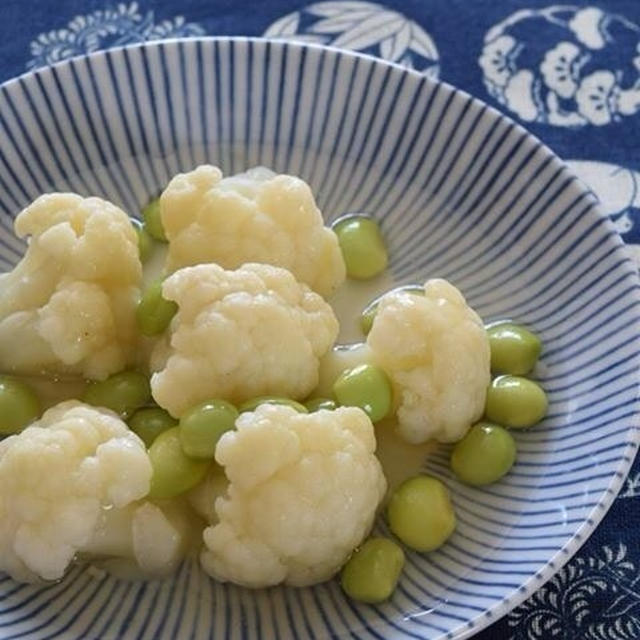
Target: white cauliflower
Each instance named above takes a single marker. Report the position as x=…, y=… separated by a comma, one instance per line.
x=436, y=352
x=239, y=334
x=303, y=493
x=56, y=477
x=202, y=498
x=257, y=216
x=143, y=539
x=70, y=302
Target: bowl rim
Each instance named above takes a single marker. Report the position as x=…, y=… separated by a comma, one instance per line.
x=580, y=535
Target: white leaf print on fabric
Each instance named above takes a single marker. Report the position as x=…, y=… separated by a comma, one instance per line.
x=497, y=62
x=588, y=76
x=588, y=25
x=519, y=95
x=618, y=190
x=559, y=69
x=607, y=583
x=631, y=488
x=105, y=28
x=361, y=26
x=286, y=26
x=595, y=97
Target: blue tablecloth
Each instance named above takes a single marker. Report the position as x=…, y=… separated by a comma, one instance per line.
x=571, y=74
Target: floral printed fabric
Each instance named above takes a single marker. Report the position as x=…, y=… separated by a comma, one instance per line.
x=565, y=79
x=570, y=73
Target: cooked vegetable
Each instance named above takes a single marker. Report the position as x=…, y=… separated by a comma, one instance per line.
x=366, y=386
x=123, y=393
x=203, y=496
x=68, y=307
x=317, y=404
x=145, y=241
x=514, y=349
x=143, y=539
x=256, y=216
x=153, y=221
x=369, y=312
x=56, y=478
x=372, y=572
x=435, y=350
x=19, y=405
x=173, y=471
x=203, y=425
x=289, y=491
x=254, y=403
x=303, y=493
x=154, y=313
x=362, y=246
x=515, y=402
x=150, y=422
x=484, y=455
x=420, y=513
x=239, y=335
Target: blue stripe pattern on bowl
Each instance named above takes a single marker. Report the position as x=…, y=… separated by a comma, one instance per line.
x=461, y=193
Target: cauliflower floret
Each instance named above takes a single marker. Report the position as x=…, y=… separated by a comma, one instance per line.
x=436, y=352
x=239, y=334
x=202, y=498
x=70, y=302
x=256, y=216
x=143, y=539
x=55, y=479
x=303, y=494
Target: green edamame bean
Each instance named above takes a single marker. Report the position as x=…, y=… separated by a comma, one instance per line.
x=514, y=349
x=366, y=386
x=515, y=402
x=484, y=455
x=372, y=572
x=145, y=241
x=154, y=313
x=317, y=404
x=173, y=471
x=363, y=250
x=254, y=403
x=153, y=221
x=202, y=426
x=150, y=422
x=420, y=513
x=19, y=405
x=369, y=312
x=123, y=393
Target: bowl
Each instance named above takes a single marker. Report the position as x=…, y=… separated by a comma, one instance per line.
x=461, y=192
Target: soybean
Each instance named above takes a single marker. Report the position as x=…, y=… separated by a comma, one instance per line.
x=484, y=455
x=514, y=349
x=145, y=241
x=203, y=425
x=173, y=471
x=366, y=386
x=372, y=572
x=363, y=249
x=420, y=513
x=154, y=313
x=123, y=393
x=515, y=402
x=317, y=404
x=19, y=405
x=150, y=422
x=153, y=221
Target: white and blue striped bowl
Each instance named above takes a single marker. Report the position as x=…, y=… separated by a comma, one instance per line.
x=461, y=193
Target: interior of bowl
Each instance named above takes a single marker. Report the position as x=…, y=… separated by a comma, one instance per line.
x=461, y=193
